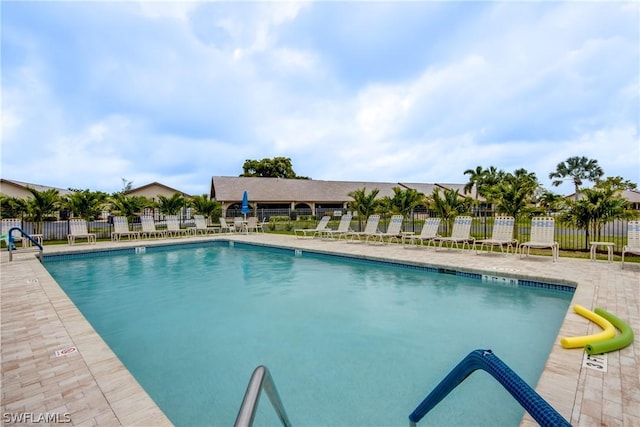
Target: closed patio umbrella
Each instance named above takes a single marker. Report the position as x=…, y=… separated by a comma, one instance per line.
x=245, y=204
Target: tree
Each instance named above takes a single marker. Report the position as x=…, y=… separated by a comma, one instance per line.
x=363, y=203
x=278, y=167
x=43, y=203
x=85, y=204
x=211, y=209
x=515, y=192
x=596, y=207
x=126, y=185
x=405, y=200
x=549, y=201
x=129, y=206
x=449, y=205
x=171, y=205
x=12, y=207
x=576, y=169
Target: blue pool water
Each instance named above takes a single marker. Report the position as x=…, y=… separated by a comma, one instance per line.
x=348, y=343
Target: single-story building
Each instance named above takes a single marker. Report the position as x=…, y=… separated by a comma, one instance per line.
x=305, y=196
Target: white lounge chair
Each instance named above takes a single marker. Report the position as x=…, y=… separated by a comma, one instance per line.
x=121, y=229
x=149, y=227
x=202, y=227
x=343, y=228
x=78, y=230
x=394, y=231
x=225, y=226
x=501, y=235
x=252, y=224
x=302, y=233
x=370, y=229
x=461, y=233
x=542, y=237
x=173, y=226
x=428, y=233
x=9, y=223
x=633, y=240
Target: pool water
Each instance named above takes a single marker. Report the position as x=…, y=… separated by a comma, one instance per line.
x=348, y=342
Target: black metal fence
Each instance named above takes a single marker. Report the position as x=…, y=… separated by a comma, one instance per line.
x=569, y=238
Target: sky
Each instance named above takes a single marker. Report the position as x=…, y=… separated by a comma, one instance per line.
x=94, y=93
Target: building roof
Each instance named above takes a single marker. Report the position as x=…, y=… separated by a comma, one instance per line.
x=37, y=187
x=151, y=185
x=280, y=190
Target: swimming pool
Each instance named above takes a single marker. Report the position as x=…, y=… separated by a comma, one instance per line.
x=348, y=342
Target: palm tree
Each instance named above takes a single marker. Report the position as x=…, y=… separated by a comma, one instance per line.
x=576, y=169
x=129, y=206
x=171, y=205
x=449, y=205
x=404, y=201
x=211, y=209
x=364, y=204
x=476, y=179
x=596, y=207
x=85, y=204
x=12, y=207
x=43, y=203
x=515, y=192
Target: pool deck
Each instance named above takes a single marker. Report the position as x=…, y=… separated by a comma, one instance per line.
x=89, y=386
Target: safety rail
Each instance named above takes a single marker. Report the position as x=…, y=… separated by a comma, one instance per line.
x=531, y=401
x=11, y=242
x=260, y=380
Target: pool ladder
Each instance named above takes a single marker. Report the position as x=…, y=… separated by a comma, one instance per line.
x=531, y=401
x=534, y=404
x=260, y=380
x=11, y=241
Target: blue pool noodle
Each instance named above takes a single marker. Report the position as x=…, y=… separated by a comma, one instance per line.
x=531, y=401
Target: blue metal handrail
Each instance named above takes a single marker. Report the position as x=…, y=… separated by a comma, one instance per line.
x=531, y=401
x=11, y=241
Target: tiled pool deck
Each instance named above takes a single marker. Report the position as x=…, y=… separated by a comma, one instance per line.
x=91, y=387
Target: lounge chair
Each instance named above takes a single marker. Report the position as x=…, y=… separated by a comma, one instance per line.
x=225, y=226
x=302, y=233
x=343, y=228
x=428, y=233
x=240, y=224
x=252, y=224
x=78, y=230
x=461, y=233
x=370, y=229
x=633, y=240
x=501, y=235
x=394, y=231
x=542, y=232
x=149, y=227
x=121, y=228
x=202, y=227
x=173, y=226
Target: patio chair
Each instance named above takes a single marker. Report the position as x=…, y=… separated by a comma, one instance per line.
x=121, y=228
x=239, y=224
x=78, y=230
x=501, y=235
x=461, y=233
x=173, y=226
x=633, y=240
x=149, y=227
x=225, y=226
x=542, y=235
x=302, y=233
x=343, y=228
x=370, y=229
x=252, y=224
x=394, y=232
x=428, y=233
x=202, y=227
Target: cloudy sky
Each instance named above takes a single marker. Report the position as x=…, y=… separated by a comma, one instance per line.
x=93, y=92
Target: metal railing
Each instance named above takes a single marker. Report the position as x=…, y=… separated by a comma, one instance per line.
x=11, y=242
x=260, y=380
